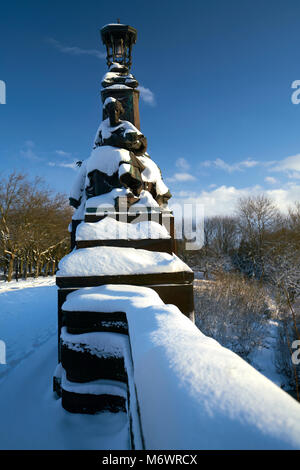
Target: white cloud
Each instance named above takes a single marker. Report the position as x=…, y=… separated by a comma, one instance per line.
x=74, y=50
x=270, y=179
x=289, y=166
x=28, y=152
x=181, y=177
x=62, y=153
x=223, y=200
x=285, y=197
x=294, y=174
x=182, y=163
x=206, y=163
x=184, y=194
x=291, y=163
x=72, y=165
x=249, y=163
x=147, y=95
x=222, y=165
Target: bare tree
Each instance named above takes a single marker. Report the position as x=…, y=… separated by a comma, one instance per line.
x=283, y=272
x=258, y=216
x=32, y=223
x=221, y=233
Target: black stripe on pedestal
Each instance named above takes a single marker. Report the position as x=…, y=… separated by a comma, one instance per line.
x=83, y=366
x=165, y=245
x=91, y=404
x=84, y=322
x=181, y=277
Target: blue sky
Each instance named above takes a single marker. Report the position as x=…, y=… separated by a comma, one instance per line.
x=216, y=109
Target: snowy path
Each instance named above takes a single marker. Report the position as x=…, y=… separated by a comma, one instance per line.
x=27, y=318
x=31, y=417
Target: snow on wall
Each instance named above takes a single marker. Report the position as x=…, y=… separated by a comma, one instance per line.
x=109, y=261
x=94, y=387
x=192, y=392
x=111, y=229
x=195, y=394
x=111, y=298
x=100, y=344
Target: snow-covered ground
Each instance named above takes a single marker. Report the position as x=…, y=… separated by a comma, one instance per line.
x=192, y=392
x=31, y=416
x=28, y=318
x=263, y=357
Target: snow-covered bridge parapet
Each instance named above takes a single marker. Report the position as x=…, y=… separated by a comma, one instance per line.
x=195, y=394
x=186, y=391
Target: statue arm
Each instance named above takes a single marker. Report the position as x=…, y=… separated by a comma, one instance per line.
x=137, y=143
x=115, y=140
x=132, y=141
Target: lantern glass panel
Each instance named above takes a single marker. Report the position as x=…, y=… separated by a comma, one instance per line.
x=119, y=48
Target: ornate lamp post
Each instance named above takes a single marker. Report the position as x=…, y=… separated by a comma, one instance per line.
x=119, y=39
x=118, y=82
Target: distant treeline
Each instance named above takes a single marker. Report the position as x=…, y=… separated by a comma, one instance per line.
x=258, y=241
x=254, y=251
x=33, y=227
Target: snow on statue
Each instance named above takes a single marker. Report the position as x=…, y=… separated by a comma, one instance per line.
x=118, y=160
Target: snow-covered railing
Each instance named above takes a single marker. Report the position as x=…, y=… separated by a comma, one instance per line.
x=191, y=393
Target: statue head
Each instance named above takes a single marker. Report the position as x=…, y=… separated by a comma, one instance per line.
x=113, y=109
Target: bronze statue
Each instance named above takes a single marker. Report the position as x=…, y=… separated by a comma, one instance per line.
x=118, y=160
x=120, y=134
x=123, y=134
